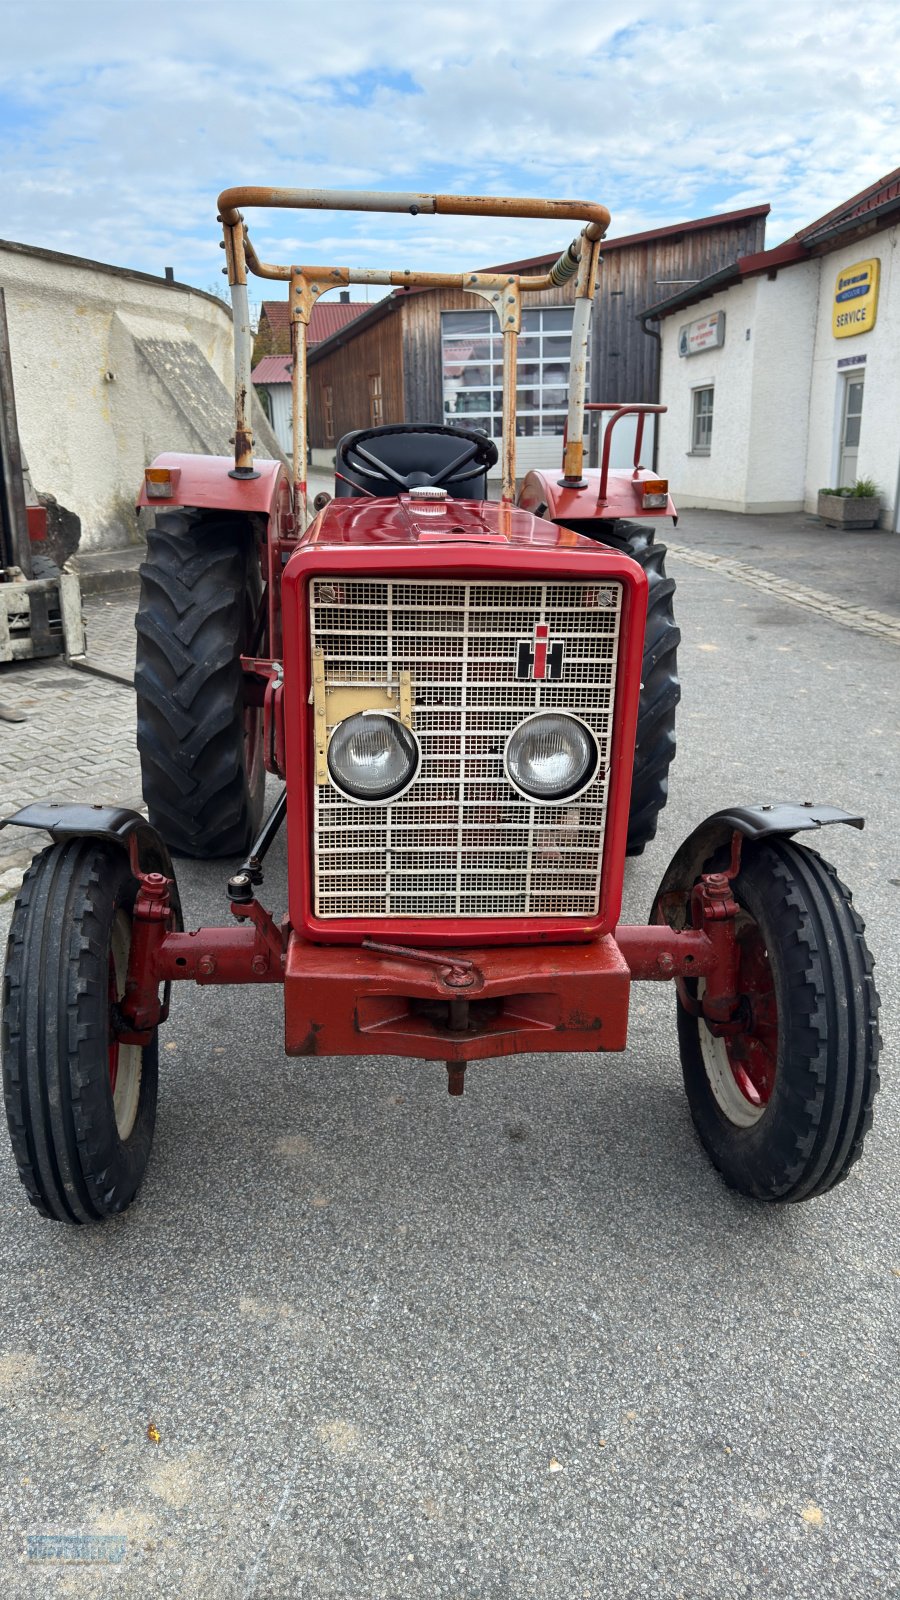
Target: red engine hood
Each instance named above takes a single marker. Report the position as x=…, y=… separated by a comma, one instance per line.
x=404, y=521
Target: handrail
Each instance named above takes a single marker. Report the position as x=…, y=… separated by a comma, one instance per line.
x=503, y=291
x=469, y=205
x=640, y=408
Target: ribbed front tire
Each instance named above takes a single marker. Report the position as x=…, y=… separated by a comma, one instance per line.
x=80, y=1105
x=200, y=746
x=790, y=1129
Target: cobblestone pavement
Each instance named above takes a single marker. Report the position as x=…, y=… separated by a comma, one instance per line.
x=77, y=742
x=863, y=618
x=859, y=569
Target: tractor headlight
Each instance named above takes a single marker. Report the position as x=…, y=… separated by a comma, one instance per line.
x=372, y=757
x=551, y=756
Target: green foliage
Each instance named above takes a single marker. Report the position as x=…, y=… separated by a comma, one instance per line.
x=862, y=489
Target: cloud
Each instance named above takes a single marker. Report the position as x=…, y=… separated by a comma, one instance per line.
x=119, y=123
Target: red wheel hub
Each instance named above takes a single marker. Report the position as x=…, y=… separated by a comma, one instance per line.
x=753, y=1048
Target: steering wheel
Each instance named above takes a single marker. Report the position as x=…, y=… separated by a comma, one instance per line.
x=479, y=453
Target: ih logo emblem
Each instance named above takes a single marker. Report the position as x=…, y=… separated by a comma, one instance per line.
x=542, y=658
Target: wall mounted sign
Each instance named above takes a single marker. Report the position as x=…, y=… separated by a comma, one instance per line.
x=852, y=361
x=707, y=333
x=855, y=299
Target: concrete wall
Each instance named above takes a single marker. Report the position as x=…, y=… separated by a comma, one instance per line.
x=718, y=480
x=778, y=390
x=111, y=367
x=879, y=439
x=782, y=341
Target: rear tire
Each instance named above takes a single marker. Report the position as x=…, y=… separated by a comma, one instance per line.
x=810, y=1044
x=660, y=688
x=81, y=1106
x=200, y=747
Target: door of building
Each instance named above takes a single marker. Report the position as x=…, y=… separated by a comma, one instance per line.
x=850, y=425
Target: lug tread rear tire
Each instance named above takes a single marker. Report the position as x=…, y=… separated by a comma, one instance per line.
x=813, y=1129
x=200, y=579
x=56, y=1090
x=660, y=688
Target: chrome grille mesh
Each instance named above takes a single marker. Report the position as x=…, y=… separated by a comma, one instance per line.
x=461, y=842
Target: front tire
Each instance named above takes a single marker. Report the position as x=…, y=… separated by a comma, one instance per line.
x=80, y=1105
x=200, y=746
x=783, y=1106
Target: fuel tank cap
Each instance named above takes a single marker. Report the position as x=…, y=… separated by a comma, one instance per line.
x=427, y=491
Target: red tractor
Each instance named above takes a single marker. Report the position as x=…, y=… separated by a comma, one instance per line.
x=450, y=689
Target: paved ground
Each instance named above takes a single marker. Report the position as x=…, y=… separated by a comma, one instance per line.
x=858, y=568
x=77, y=742
x=519, y=1345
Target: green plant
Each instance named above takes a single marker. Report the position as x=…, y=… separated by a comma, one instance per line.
x=862, y=489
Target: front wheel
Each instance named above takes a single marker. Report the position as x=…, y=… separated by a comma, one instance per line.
x=80, y=1104
x=782, y=1105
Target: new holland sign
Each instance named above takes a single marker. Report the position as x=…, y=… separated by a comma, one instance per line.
x=707, y=333
x=855, y=299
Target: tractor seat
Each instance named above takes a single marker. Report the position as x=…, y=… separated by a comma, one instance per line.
x=417, y=451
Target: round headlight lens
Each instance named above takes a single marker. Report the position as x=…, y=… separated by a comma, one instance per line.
x=551, y=756
x=372, y=757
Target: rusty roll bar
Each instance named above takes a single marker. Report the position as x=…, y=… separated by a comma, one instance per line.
x=503, y=292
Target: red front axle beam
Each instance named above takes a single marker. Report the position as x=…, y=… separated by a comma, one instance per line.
x=454, y=1006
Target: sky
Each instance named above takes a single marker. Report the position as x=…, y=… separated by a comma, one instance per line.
x=121, y=120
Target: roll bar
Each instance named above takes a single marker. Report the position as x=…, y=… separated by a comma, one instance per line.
x=501, y=290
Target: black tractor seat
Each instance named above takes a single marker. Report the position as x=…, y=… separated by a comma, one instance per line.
x=405, y=455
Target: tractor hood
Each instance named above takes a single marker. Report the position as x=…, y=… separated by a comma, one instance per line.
x=405, y=521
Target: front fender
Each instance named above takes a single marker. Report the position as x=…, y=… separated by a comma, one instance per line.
x=113, y=824
x=784, y=817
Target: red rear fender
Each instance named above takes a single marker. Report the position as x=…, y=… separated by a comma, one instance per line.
x=203, y=481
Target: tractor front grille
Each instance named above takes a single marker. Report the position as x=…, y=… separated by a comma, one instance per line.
x=462, y=842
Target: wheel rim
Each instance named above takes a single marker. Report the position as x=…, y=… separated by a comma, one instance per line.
x=125, y=1060
x=741, y=1067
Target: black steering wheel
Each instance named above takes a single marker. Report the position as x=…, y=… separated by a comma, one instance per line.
x=479, y=454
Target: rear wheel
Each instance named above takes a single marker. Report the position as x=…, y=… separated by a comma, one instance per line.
x=660, y=689
x=783, y=1104
x=80, y=1104
x=201, y=747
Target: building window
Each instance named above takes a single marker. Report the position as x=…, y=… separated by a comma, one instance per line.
x=376, y=411
x=328, y=409
x=472, y=362
x=701, y=429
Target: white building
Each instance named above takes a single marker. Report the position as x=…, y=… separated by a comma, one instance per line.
x=782, y=372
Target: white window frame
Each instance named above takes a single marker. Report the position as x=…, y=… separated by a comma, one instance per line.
x=490, y=419
x=697, y=416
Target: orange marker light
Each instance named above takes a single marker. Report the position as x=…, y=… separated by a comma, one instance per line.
x=161, y=482
x=655, y=493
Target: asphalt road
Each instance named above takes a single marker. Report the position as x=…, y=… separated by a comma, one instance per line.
x=520, y=1345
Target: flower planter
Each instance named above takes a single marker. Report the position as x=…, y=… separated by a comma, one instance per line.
x=853, y=512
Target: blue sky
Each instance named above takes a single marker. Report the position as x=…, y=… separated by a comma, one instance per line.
x=120, y=120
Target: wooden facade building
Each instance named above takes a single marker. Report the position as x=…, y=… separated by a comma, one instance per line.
x=432, y=355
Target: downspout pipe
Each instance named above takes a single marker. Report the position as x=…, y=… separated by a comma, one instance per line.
x=654, y=333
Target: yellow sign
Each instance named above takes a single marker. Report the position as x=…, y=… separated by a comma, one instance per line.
x=855, y=299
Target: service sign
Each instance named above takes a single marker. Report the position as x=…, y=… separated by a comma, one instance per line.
x=707, y=333
x=855, y=299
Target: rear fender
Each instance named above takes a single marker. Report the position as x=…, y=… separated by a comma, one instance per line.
x=545, y=495
x=671, y=903
x=204, y=481
x=116, y=825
